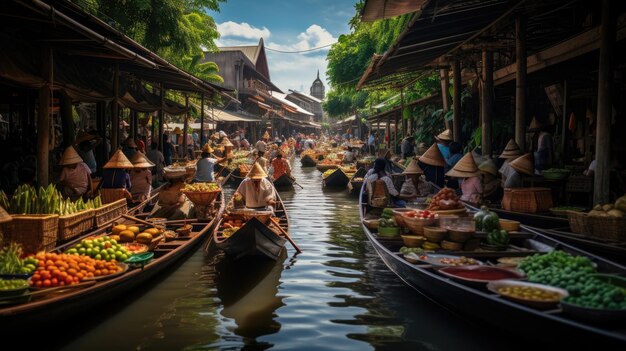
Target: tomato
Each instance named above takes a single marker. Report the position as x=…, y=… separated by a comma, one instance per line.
x=46, y=283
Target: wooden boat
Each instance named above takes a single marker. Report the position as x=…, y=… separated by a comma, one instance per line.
x=478, y=303
x=363, y=164
x=254, y=238
x=337, y=179
x=68, y=304
x=355, y=185
x=308, y=161
x=326, y=166
x=284, y=181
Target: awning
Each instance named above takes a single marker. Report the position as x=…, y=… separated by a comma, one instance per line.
x=261, y=105
x=381, y=9
x=439, y=28
x=230, y=116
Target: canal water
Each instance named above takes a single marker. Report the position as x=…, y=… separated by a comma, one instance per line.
x=336, y=295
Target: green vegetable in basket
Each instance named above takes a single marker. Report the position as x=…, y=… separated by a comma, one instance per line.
x=498, y=237
x=490, y=222
x=387, y=213
x=478, y=217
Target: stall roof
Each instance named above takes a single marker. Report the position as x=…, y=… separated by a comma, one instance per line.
x=306, y=96
x=438, y=29
x=282, y=98
x=230, y=116
x=382, y=9
x=425, y=100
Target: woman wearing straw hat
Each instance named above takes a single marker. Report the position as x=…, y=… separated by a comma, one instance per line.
x=257, y=191
x=443, y=142
x=75, y=178
x=115, y=179
x=173, y=204
x=433, y=164
x=414, y=186
x=492, y=190
x=379, y=173
x=510, y=153
x=522, y=165
x=471, y=186
x=141, y=177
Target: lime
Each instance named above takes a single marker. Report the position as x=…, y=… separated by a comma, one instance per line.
x=98, y=257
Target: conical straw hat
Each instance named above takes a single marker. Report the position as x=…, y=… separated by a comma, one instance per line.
x=383, y=152
x=511, y=150
x=226, y=142
x=445, y=135
x=257, y=172
x=488, y=167
x=70, y=157
x=465, y=168
x=433, y=157
x=140, y=160
x=118, y=160
x=524, y=164
x=4, y=216
x=207, y=148
x=266, y=135
x=534, y=125
x=413, y=168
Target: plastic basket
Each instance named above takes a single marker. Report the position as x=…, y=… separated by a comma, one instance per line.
x=110, y=212
x=34, y=232
x=75, y=224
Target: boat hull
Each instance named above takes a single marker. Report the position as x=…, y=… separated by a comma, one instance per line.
x=337, y=179
x=308, y=161
x=284, y=181
x=253, y=239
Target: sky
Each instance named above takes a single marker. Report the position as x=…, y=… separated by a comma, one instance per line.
x=288, y=25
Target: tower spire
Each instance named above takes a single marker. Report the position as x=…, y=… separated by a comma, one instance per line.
x=318, y=74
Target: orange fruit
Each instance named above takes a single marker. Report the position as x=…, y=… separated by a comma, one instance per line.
x=133, y=229
x=118, y=228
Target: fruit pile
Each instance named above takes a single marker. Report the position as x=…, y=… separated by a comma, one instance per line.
x=445, y=199
x=102, y=248
x=28, y=200
x=328, y=172
x=12, y=263
x=425, y=214
x=13, y=284
x=386, y=219
x=63, y=269
x=573, y=273
x=127, y=234
x=201, y=187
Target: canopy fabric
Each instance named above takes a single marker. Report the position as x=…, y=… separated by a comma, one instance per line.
x=439, y=28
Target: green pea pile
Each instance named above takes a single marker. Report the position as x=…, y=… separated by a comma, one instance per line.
x=12, y=284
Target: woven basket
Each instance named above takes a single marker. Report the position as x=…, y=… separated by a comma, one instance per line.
x=578, y=222
x=33, y=232
x=527, y=200
x=609, y=228
x=109, y=212
x=73, y=225
x=202, y=198
x=112, y=195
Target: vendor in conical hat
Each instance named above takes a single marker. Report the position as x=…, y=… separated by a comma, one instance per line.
x=84, y=145
x=114, y=175
x=414, y=185
x=257, y=191
x=266, y=136
x=521, y=166
x=491, y=184
x=228, y=149
x=510, y=153
x=469, y=174
x=443, y=142
x=75, y=178
x=141, y=177
x=433, y=164
x=205, y=167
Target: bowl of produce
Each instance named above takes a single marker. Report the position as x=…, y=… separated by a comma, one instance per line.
x=602, y=299
x=140, y=258
x=459, y=235
x=399, y=213
x=509, y=225
x=135, y=248
x=413, y=240
x=417, y=220
x=371, y=223
x=556, y=173
x=434, y=234
x=441, y=261
x=480, y=275
x=388, y=231
x=410, y=253
x=451, y=245
x=13, y=287
x=511, y=262
x=534, y=295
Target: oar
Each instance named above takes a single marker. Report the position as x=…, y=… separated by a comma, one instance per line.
x=137, y=220
x=298, y=184
x=288, y=237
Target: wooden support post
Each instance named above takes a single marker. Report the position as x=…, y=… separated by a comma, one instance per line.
x=101, y=123
x=520, y=82
x=160, y=119
x=396, y=130
x=456, y=121
x=405, y=131
x=115, y=121
x=445, y=94
x=486, y=107
x=69, y=131
x=202, y=120
x=133, y=124
x=601, y=194
x=43, y=118
x=183, y=144
x=564, y=124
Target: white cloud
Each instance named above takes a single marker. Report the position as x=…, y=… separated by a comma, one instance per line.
x=314, y=36
x=242, y=30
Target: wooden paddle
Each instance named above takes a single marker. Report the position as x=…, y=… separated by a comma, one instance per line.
x=288, y=237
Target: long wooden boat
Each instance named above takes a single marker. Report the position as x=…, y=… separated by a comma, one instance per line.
x=254, y=238
x=337, y=179
x=58, y=306
x=308, y=161
x=355, y=185
x=284, y=181
x=478, y=303
x=543, y=221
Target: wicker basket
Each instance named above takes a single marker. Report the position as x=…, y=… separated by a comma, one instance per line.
x=33, y=232
x=578, y=222
x=109, y=212
x=73, y=225
x=202, y=198
x=609, y=228
x=416, y=225
x=527, y=200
